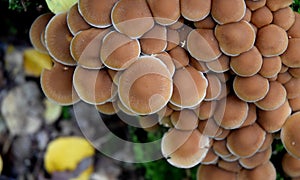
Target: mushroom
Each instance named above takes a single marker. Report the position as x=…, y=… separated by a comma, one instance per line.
x=177, y=25
x=267, y=143
x=233, y=166
x=107, y=108
x=292, y=88
x=274, y=5
x=195, y=10
x=214, y=87
x=295, y=104
x=262, y=17
x=220, y=148
x=58, y=39
x=149, y=123
x=167, y=60
x=291, y=56
x=213, y=172
x=206, y=23
x=75, y=21
x=284, y=18
x=229, y=11
x=206, y=109
x=210, y=158
x=220, y=65
x=185, y=119
x=294, y=32
x=265, y=171
x=271, y=66
x=295, y=72
x=283, y=78
x=291, y=165
x=179, y=56
x=248, y=15
x=289, y=135
x=57, y=84
x=96, y=13
x=198, y=65
x=132, y=18
x=257, y=159
x=254, y=5
x=223, y=135
x=251, y=116
x=209, y=128
x=173, y=39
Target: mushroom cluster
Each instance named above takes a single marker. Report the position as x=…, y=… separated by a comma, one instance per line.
x=224, y=76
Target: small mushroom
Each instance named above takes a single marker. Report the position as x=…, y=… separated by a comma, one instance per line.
x=257, y=159
x=262, y=17
x=267, y=143
x=283, y=78
x=248, y=15
x=220, y=148
x=179, y=56
x=214, y=87
x=198, y=65
x=206, y=109
x=233, y=166
x=274, y=5
x=295, y=72
x=223, y=135
x=251, y=116
x=167, y=60
x=213, y=172
x=209, y=128
x=291, y=56
x=206, y=23
x=195, y=10
x=291, y=165
x=271, y=66
x=265, y=171
x=294, y=32
x=185, y=119
x=107, y=108
x=253, y=5
x=173, y=39
x=220, y=65
x=75, y=21
x=292, y=88
x=295, y=104
x=210, y=158
x=284, y=18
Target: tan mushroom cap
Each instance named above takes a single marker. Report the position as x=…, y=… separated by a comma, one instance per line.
x=107, y=108
x=165, y=112
x=132, y=18
x=253, y=5
x=251, y=116
x=283, y=78
x=272, y=121
x=185, y=119
x=75, y=21
x=179, y=56
x=154, y=41
x=93, y=86
x=284, y=68
x=213, y=172
x=290, y=135
x=251, y=89
x=210, y=158
x=184, y=149
x=189, y=87
x=90, y=10
x=206, y=109
x=233, y=166
x=220, y=65
x=265, y=171
x=85, y=47
x=58, y=39
x=223, y=135
x=206, y=23
x=57, y=84
x=274, y=5
x=291, y=56
x=149, y=123
x=114, y=75
x=209, y=128
x=295, y=72
x=295, y=104
x=267, y=143
x=294, y=32
x=271, y=66
x=165, y=12
x=235, y=38
x=291, y=165
x=275, y=97
x=177, y=25
x=146, y=86
x=231, y=158
x=231, y=112
x=220, y=148
x=167, y=60
x=202, y=45
x=267, y=44
x=284, y=18
x=228, y=11
x=173, y=39
x=214, y=87
x=118, y=51
x=247, y=63
x=248, y=15
x=239, y=146
x=37, y=30
x=124, y=109
x=198, y=65
x=257, y=159
x=195, y=10
x=262, y=17
x=292, y=88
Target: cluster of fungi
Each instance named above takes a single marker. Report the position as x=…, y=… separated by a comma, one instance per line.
x=223, y=75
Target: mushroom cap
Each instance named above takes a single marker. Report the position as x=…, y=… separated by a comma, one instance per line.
x=85, y=47
x=118, y=51
x=210, y=158
x=184, y=149
x=251, y=89
x=93, y=86
x=283, y=78
x=284, y=18
x=275, y=97
x=165, y=12
x=220, y=148
x=265, y=171
x=202, y=45
x=293, y=32
x=267, y=142
x=271, y=66
x=289, y=135
x=291, y=165
x=251, y=116
x=89, y=9
x=231, y=112
x=272, y=121
x=107, y=108
x=75, y=21
x=206, y=109
x=267, y=44
x=274, y=5
x=149, y=123
x=206, y=23
x=228, y=11
x=173, y=39
x=262, y=17
x=179, y=56
x=209, y=128
x=146, y=86
x=37, y=30
x=167, y=60
x=247, y=63
x=213, y=172
x=235, y=38
x=185, y=119
x=177, y=25
x=214, y=87
x=223, y=135
x=248, y=15
x=233, y=166
x=257, y=159
x=291, y=56
x=253, y=5
x=195, y=10
x=189, y=87
x=295, y=72
x=57, y=84
x=292, y=88
x=220, y=65
x=198, y=65
x=58, y=39
x=295, y=104
x=132, y=18
x=237, y=145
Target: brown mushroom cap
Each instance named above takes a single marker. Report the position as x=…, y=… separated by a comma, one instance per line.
x=57, y=84
x=90, y=10
x=132, y=18
x=189, y=87
x=37, y=30
x=257, y=159
x=167, y=60
x=195, y=10
x=235, y=38
x=251, y=89
x=248, y=15
x=295, y=104
x=118, y=51
x=185, y=119
x=237, y=144
x=107, y=108
x=292, y=88
x=271, y=66
x=146, y=86
x=219, y=65
x=284, y=18
x=85, y=47
x=58, y=39
x=274, y=5
x=293, y=32
x=179, y=56
x=265, y=171
x=228, y=11
x=291, y=165
x=198, y=65
x=210, y=158
x=93, y=86
x=291, y=56
x=272, y=121
x=247, y=63
x=75, y=21
x=220, y=148
x=267, y=44
x=206, y=23
x=295, y=72
x=262, y=17
x=231, y=112
x=267, y=143
x=283, y=78
x=275, y=97
x=253, y=5
x=223, y=135
x=177, y=25
x=173, y=39
x=209, y=128
x=165, y=12
x=202, y=45
x=214, y=87
x=233, y=166
x=213, y=172
x=206, y=109
x=251, y=116
x=290, y=135
x=149, y=123
x=184, y=149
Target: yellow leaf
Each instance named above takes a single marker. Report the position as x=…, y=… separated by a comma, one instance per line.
x=35, y=62
x=58, y=6
x=52, y=111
